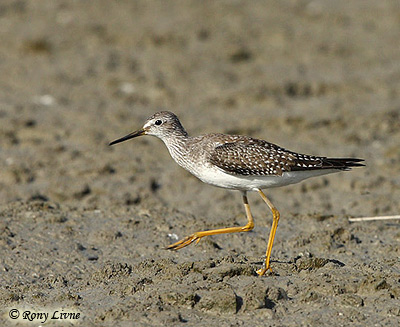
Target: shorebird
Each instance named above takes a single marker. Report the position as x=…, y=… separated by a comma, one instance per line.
x=237, y=162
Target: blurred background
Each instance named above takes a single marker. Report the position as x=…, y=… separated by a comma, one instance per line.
x=318, y=77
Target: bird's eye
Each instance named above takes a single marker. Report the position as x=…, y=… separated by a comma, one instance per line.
x=158, y=122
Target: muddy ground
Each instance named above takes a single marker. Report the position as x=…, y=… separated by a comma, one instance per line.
x=83, y=226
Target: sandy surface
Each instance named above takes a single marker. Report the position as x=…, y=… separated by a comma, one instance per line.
x=83, y=226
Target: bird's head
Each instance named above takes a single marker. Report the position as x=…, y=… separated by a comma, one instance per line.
x=162, y=124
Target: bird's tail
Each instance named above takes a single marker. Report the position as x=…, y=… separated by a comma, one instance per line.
x=341, y=163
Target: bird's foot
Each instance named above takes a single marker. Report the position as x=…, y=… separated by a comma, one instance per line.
x=263, y=270
x=184, y=242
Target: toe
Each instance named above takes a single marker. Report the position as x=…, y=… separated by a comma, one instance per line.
x=182, y=243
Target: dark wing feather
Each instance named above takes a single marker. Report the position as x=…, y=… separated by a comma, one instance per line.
x=260, y=158
x=304, y=163
x=252, y=157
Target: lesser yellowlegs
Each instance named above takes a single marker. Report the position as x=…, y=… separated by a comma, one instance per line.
x=239, y=163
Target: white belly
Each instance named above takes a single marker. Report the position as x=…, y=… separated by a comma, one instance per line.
x=217, y=177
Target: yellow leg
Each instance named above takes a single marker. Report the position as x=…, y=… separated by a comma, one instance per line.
x=197, y=236
x=275, y=215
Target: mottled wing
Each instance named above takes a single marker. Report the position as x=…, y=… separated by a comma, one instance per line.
x=250, y=156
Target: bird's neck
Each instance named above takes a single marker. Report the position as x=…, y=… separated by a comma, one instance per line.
x=177, y=147
x=176, y=142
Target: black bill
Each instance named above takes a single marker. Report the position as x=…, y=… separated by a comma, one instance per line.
x=129, y=136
